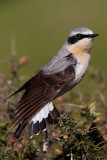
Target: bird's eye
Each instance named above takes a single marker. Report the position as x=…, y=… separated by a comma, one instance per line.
x=78, y=35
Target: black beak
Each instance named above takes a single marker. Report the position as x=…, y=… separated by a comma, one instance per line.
x=93, y=35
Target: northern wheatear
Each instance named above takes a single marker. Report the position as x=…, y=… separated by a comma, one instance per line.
x=63, y=72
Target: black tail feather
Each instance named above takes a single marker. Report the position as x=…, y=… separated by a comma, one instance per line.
x=36, y=128
x=31, y=129
x=49, y=119
x=43, y=125
x=55, y=113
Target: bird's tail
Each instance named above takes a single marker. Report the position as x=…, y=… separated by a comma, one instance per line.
x=39, y=122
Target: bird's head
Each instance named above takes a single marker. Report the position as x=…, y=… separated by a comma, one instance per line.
x=80, y=39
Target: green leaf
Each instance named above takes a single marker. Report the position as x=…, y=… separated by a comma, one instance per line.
x=96, y=114
x=92, y=105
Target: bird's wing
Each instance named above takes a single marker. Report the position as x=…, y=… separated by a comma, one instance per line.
x=39, y=91
x=42, y=88
x=53, y=66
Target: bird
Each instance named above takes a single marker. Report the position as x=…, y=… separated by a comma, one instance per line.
x=62, y=73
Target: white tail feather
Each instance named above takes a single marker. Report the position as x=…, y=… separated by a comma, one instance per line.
x=43, y=113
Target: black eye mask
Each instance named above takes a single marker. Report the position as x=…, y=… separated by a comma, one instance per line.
x=77, y=37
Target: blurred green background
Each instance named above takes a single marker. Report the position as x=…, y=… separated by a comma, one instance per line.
x=40, y=27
